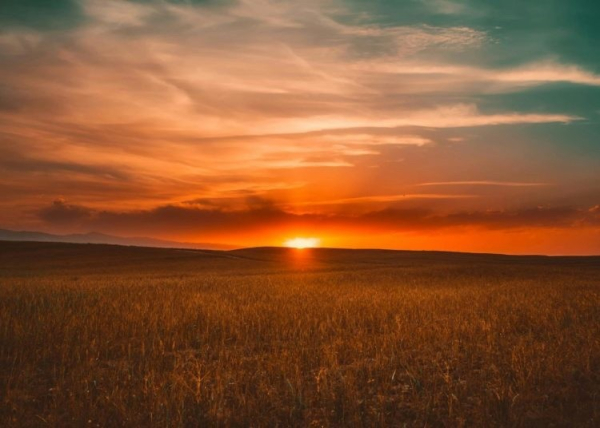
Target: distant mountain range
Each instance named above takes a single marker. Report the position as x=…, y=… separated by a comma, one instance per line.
x=101, y=238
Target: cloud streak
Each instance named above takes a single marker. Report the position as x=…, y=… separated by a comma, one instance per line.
x=437, y=76
x=485, y=183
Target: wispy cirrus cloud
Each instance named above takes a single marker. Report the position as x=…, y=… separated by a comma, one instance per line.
x=435, y=77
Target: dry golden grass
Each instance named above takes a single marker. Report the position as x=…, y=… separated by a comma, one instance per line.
x=110, y=336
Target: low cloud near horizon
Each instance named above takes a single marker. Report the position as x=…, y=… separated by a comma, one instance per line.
x=169, y=220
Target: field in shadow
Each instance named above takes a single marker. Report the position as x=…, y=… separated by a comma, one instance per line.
x=98, y=335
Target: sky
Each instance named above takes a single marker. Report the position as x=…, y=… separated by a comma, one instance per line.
x=462, y=125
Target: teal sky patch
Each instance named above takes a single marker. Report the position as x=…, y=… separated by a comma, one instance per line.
x=521, y=30
x=40, y=14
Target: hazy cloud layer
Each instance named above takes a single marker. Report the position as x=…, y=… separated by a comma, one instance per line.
x=261, y=214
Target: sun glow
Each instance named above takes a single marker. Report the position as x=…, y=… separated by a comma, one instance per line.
x=301, y=243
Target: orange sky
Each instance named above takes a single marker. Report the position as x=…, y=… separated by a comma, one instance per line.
x=247, y=123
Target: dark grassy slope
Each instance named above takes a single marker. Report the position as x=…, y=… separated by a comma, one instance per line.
x=101, y=238
x=44, y=257
x=96, y=335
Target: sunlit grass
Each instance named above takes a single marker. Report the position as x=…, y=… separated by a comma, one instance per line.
x=180, y=340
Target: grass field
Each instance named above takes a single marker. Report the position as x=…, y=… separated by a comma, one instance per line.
x=94, y=335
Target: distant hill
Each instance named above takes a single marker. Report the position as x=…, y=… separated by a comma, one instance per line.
x=25, y=257
x=101, y=238
x=408, y=258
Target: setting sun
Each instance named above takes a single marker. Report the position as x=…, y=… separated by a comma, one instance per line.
x=301, y=243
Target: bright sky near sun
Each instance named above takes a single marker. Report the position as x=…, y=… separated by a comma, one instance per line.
x=302, y=243
x=423, y=124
